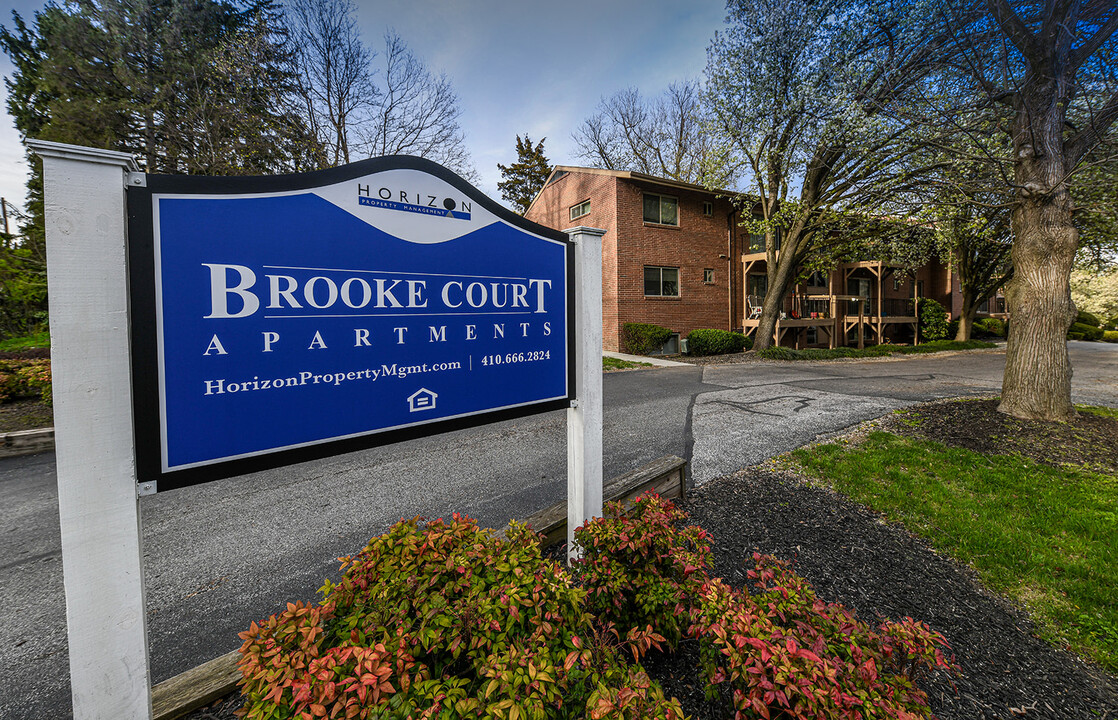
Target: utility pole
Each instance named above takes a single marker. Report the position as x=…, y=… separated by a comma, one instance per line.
x=4, y=210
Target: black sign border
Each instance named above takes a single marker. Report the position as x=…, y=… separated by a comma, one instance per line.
x=144, y=341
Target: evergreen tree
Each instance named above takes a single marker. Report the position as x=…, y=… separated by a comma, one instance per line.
x=197, y=87
x=524, y=178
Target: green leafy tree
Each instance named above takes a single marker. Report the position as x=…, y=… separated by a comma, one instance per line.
x=524, y=178
x=1047, y=68
x=801, y=96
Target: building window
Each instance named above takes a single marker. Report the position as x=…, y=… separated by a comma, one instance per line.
x=817, y=279
x=898, y=282
x=812, y=335
x=661, y=282
x=661, y=210
x=757, y=241
x=708, y=208
x=583, y=208
x=708, y=276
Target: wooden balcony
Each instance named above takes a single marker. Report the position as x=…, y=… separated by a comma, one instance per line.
x=833, y=316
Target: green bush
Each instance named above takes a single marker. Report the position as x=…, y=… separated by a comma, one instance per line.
x=933, y=320
x=444, y=620
x=643, y=338
x=716, y=342
x=1111, y=324
x=1075, y=336
x=945, y=346
x=953, y=329
x=1087, y=318
x=761, y=651
x=779, y=652
x=988, y=327
x=641, y=568
x=778, y=352
x=1110, y=336
x=36, y=340
x=1088, y=332
x=25, y=378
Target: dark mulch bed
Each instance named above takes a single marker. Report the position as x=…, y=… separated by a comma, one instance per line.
x=25, y=415
x=852, y=557
x=1086, y=441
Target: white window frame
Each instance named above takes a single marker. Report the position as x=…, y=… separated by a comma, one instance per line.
x=662, y=268
x=662, y=199
x=575, y=209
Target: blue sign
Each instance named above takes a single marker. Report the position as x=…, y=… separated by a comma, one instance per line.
x=292, y=317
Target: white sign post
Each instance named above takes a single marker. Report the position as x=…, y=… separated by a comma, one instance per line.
x=584, y=418
x=102, y=557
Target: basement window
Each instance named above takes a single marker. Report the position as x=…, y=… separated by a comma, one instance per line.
x=661, y=282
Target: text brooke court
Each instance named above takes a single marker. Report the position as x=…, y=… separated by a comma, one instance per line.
x=327, y=291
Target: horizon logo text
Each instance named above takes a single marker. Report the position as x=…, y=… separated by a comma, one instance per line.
x=414, y=202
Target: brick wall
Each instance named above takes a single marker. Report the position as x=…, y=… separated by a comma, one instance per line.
x=630, y=244
x=698, y=243
x=552, y=209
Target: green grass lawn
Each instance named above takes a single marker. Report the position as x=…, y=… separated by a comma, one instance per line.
x=1045, y=536
x=40, y=339
x=609, y=363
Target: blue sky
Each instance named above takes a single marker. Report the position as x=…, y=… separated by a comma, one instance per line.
x=518, y=66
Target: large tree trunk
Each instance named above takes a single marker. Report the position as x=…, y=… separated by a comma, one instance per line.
x=966, y=318
x=1037, y=382
x=780, y=271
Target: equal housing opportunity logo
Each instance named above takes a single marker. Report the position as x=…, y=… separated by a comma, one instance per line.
x=413, y=202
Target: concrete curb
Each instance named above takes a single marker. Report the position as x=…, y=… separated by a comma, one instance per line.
x=26, y=442
x=182, y=694
x=658, y=362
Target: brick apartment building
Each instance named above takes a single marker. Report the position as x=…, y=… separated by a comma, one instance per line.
x=675, y=255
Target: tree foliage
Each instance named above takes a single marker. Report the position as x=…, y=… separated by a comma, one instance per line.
x=801, y=95
x=525, y=178
x=1039, y=78
x=185, y=87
